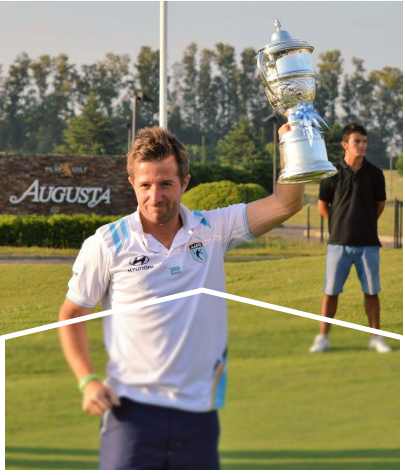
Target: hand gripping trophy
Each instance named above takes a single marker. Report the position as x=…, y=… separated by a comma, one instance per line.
x=289, y=82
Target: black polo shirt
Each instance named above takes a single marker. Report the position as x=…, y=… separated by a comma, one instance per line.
x=352, y=198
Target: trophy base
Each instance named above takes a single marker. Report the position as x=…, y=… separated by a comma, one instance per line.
x=320, y=171
x=303, y=161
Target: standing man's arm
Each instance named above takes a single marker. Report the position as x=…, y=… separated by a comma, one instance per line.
x=97, y=397
x=380, y=208
x=265, y=214
x=323, y=207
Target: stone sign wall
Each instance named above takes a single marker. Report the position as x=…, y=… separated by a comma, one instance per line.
x=50, y=184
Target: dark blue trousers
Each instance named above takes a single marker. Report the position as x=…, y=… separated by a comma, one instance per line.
x=137, y=436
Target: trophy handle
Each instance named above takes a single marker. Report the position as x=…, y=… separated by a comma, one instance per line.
x=262, y=71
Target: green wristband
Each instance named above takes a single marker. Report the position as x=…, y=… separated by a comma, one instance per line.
x=85, y=380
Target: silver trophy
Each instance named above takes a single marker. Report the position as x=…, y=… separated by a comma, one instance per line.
x=285, y=67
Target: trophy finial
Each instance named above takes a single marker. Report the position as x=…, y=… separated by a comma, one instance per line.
x=277, y=25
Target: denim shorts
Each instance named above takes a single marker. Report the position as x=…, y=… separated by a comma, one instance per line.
x=339, y=260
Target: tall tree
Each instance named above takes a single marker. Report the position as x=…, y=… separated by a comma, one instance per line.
x=91, y=132
x=108, y=79
x=189, y=88
x=357, y=96
x=240, y=146
x=254, y=103
x=207, y=98
x=38, y=117
x=387, y=107
x=174, y=102
x=147, y=81
x=327, y=84
x=227, y=86
x=16, y=102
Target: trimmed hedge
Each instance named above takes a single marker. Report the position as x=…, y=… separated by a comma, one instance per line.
x=259, y=172
x=56, y=231
x=221, y=193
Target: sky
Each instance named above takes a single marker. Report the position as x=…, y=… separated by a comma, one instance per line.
x=86, y=31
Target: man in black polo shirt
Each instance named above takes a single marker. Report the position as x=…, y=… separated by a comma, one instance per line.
x=352, y=201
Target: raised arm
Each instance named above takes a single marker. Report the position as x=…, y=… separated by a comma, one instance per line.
x=264, y=215
x=97, y=397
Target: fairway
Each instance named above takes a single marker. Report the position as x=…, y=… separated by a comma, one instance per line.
x=286, y=408
x=33, y=293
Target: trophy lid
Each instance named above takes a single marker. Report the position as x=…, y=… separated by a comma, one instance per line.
x=281, y=40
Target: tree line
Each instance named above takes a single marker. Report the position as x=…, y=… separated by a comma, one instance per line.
x=216, y=104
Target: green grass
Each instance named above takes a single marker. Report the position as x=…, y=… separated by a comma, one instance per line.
x=298, y=282
x=286, y=408
x=35, y=251
x=291, y=275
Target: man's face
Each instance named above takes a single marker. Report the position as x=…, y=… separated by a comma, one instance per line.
x=158, y=189
x=356, y=146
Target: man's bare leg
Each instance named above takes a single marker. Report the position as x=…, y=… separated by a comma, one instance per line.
x=329, y=307
x=372, y=306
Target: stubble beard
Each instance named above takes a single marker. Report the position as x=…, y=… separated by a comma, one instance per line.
x=168, y=216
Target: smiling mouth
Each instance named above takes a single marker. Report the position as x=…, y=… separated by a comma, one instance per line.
x=158, y=208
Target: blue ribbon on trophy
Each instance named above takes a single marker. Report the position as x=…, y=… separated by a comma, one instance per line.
x=308, y=117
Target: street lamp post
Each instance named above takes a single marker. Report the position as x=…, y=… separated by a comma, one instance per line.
x=163, y=66
x=129, y=136
x=141, y=97
x=272, y=119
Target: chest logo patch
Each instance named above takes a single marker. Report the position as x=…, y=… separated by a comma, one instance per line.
x=139, y=264
x=198, y=252
x=139, y=261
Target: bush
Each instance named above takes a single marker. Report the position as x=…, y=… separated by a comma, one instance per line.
x=221, y=193
x=56, y=231
x=259, y=172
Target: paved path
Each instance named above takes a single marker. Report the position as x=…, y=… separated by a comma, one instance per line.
x=70, y=260
x=36, y=259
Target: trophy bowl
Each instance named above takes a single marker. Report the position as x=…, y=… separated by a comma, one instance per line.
x=285, y=67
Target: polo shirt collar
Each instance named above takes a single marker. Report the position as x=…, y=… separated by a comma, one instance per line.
x=189, y=219
x=365, y=164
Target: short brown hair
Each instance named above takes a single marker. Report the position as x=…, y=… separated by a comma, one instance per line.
x=351, y=129
x=156, y=144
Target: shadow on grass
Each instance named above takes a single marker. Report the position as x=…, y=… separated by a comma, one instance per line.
x=360, y=459
x=357, y=459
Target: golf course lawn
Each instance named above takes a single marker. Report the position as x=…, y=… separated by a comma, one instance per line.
x=286, y=408
x=33, y=293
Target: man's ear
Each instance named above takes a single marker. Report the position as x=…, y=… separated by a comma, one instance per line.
x=344, y=145
x=185, y=183
x=131, y=180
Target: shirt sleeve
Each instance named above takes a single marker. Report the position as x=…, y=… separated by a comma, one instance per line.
x=327, y=190
x=379, y=193
x=233, y=225
x=91, y=273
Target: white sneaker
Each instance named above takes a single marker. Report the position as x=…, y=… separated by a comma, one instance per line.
x=321, y=344
x=378, y=344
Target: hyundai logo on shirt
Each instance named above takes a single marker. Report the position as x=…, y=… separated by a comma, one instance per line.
x=139, y=261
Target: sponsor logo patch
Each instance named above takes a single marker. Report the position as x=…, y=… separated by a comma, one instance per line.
x=198, y=252
x=139, y=263
x=139, y=260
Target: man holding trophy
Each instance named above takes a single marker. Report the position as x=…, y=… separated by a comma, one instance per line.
x=166, y=375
